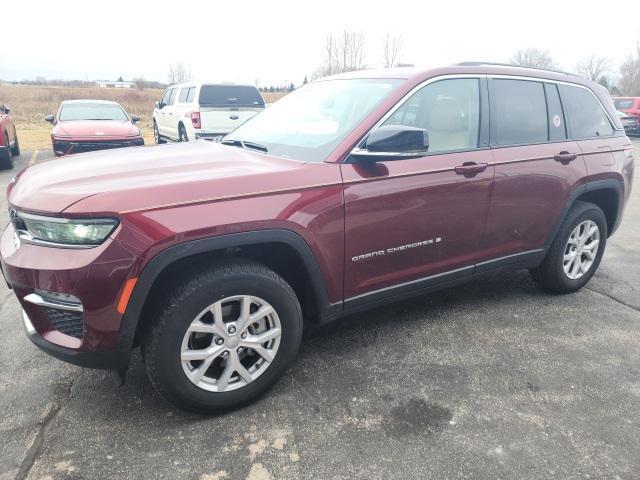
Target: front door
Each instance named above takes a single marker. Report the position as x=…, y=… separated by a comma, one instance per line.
x=416, y=221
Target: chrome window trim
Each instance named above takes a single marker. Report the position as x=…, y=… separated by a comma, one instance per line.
x=358, y=148
x=408, y=95
x=557, y=82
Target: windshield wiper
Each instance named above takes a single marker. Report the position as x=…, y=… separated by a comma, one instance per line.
x=245, y=144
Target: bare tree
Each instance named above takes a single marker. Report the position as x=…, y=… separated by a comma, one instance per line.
x=532, y=57
x=593, y=67
x=179, y=73
x=629, y=83
x=342, y=53
x=391, y=49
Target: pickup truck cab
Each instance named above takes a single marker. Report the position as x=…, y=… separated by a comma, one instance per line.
x=351, y=192
x=192, y=110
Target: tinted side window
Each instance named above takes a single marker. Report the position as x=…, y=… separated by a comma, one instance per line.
x=585, y=115
x=449, y=110
x=172, y=97
x=518, y=112
x=192, y=91
x=165, y=97
x=557, y=126
x=183, y=94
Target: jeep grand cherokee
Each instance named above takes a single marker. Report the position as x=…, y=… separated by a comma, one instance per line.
x=351, y=192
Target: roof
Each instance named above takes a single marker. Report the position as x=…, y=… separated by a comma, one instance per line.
x=89, y=100
x=463, y=68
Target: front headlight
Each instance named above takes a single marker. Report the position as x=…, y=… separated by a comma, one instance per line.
x=66, y=231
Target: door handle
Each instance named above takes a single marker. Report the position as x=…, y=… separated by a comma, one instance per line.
x=565, y=157
x=234, y=117
x=469, y=169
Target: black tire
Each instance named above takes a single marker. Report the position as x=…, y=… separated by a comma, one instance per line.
x=6, y=161
x=173, y=315
x=156, y=134
x=182, y=133
x=550, y=274
x=15, y=151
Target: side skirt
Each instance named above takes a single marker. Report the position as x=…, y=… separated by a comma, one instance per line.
x=432, y=283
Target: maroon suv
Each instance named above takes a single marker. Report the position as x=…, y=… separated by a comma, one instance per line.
x=351, y=192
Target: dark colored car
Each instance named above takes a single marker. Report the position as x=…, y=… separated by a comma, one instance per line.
x=349, y=193
x=630, y=123
x=628, y=105
x=9, y=146
x=89, y=125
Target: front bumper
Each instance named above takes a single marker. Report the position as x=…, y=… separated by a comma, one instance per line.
x=95, y=276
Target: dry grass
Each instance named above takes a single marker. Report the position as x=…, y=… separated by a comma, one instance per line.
x=29, y=104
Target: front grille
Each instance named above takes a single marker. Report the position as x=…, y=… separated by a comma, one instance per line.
x=67, y=322
x=81, y=147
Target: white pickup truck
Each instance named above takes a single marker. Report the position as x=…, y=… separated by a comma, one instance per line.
x=201, y=110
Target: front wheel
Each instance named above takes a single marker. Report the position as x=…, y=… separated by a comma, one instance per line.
x=6, y=162
x=15, y=151
x=576, y=251
x=156, y=134
x=223, y=337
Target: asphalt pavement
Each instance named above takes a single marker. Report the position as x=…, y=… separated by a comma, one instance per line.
x=492, y=379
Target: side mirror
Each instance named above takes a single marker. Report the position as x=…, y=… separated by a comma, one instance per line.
x=159, y=105
x=50, y=118
x=393, y=142
x=6, y=109
x=135, y=119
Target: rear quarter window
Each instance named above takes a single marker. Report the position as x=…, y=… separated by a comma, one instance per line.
x=585, y=116
x=230, y=96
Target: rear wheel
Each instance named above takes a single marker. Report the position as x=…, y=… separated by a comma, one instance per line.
x=6, y=161
x=576, y=251
x=223, y=337
x=156, y=134
x=182, y=132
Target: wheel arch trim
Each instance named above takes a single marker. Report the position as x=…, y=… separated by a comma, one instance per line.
x=162, y=260
x=594, y=185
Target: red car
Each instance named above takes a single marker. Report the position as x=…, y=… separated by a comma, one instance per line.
x=628, y=105
x=351, y=192
x=89, y=125
x=9, y=146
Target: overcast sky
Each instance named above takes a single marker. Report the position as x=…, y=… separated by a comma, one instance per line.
x=281, y=41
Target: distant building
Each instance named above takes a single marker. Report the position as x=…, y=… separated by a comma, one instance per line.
x=111, y=84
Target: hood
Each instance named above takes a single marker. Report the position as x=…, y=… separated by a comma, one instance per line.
x=139, y=178
x=95, y=129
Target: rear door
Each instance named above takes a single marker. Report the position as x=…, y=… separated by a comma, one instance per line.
x=413, y=222
x=536, y=168
x=225, y=107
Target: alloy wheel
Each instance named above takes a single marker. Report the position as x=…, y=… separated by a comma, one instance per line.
x=581, y=249
x=230, y=343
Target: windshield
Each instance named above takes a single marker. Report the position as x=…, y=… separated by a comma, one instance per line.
x=92, y=111
x=623, y=103
x=310, y=122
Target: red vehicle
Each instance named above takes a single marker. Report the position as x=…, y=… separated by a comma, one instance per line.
x=628, y=105
x=9, y=146
x=89, y=125
x=351, y=192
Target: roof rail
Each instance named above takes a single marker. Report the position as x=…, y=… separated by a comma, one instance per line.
x=497, y=64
